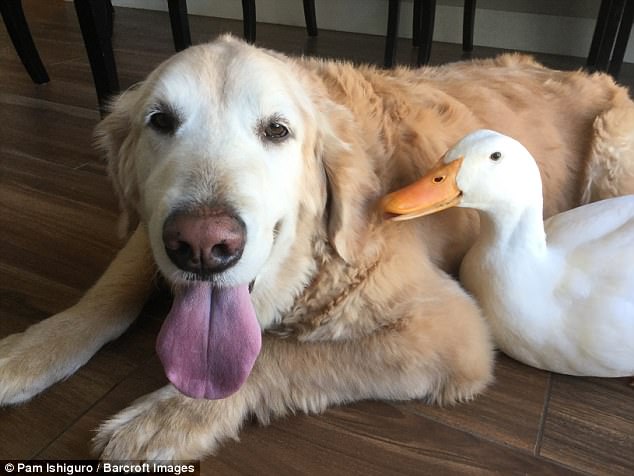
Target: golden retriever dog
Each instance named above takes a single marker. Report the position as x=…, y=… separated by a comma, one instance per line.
x=254, y=179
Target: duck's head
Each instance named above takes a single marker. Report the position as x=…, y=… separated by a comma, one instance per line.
x=485, y=170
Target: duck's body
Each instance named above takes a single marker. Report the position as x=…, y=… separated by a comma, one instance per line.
x=562, y=300
x=559, y=295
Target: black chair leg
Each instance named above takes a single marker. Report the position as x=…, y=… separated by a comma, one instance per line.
x=110, y=19
x=93, y=22
x=18, y=30
x=310, y=17
x=394, y=8
x=611, y=30
x=468, y=23
x=605, y=32
x=416, y=25
x=599, y=32
x=622, y=38
x=248, y=19
x=428, y=15
x=180, y=24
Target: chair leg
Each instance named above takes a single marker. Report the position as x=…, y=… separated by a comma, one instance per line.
x=416, y=23
x=248, y=20
x=18, y=30
x=611, y=30
x=468, y=22
x=110, y=19
x=428, y=15
x=621, y=39
x=180, y=24
x=311, y=17
x=599, y=32
x=93, y=22
x=394, y=7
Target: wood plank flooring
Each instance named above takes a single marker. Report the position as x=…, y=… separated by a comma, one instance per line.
x=58, y=219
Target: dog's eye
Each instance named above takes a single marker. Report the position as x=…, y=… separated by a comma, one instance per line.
x=163, y=122
x=275, y=131
x=495, y=156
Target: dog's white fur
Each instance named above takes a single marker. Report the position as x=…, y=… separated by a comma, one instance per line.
x=358, y=308
x=236, y=166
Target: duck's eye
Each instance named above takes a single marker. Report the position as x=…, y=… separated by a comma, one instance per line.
x=276, y=132
x=495, y=156
x=163, y=122
x=439, y=178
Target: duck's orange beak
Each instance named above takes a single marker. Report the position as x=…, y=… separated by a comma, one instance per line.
x=435, y=191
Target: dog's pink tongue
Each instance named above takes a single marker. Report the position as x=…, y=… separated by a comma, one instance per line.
x=209, y=340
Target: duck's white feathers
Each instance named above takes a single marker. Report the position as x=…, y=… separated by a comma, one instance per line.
x=559, y=295
x=593, y=221
x=597, y=244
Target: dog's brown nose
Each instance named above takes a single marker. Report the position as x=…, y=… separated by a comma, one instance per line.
x=204, y=241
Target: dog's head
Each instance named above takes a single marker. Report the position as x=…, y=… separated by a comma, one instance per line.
x=221, y=153
x=232, y=137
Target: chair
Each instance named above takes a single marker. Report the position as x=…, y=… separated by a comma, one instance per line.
x=95, y=18
x=248, y=18
x=18, y=29
x=423, y=28
x=611, y=34
x=179, y=23
x=95, y=21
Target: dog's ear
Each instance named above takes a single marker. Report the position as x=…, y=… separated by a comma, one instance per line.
x=116, y=137
x=353, y=185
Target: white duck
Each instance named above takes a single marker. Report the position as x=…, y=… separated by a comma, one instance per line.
x=559, y=295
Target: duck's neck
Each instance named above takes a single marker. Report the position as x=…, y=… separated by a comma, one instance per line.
x=514, y=229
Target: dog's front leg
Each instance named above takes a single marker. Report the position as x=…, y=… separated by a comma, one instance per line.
x=443, y=355
x=56, y=347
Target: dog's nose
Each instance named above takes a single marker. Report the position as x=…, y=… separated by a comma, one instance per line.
x=204, y=241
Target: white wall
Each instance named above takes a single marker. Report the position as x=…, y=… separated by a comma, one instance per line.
x=540, y=26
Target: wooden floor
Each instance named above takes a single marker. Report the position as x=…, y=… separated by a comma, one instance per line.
x=58, y=232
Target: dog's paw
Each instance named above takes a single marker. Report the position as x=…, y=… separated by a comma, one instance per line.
x=16, y=385
x=165, y=425
x=35, y=359
x=465, y=382
x=453, y=391
x=25, y=368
